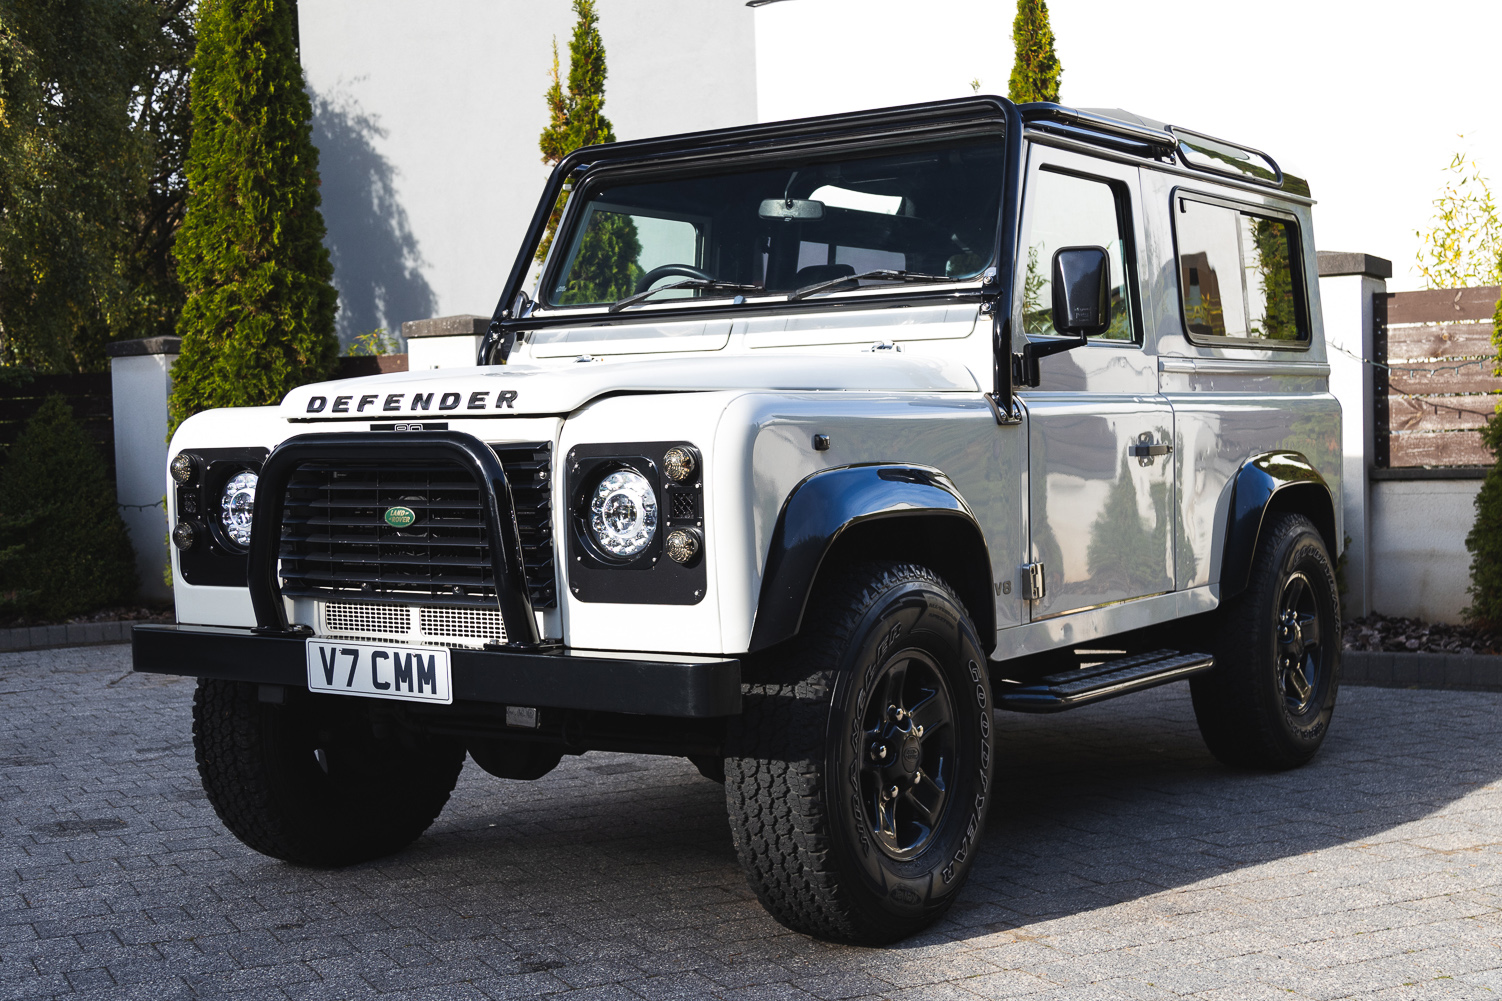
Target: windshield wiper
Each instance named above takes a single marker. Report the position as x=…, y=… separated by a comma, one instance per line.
x=883, y=275
x=698, y=283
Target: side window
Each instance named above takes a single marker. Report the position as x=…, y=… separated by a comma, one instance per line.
x=1236, y=273
x=1069, y=211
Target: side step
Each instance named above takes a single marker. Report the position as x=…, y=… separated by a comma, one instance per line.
x=1079, y=687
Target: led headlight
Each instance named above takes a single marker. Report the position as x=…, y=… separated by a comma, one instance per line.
x=237, y=505
x=623, y=514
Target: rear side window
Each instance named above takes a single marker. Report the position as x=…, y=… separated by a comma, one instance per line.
x=1239, y=278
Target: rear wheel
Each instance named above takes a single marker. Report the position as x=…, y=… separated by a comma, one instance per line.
x=860, y=768
x=309, y=781
x=1269, y=700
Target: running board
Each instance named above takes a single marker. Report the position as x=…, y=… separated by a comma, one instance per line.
x=1079, y=687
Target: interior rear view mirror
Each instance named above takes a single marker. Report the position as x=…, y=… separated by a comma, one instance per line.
x=1081, y=291
x=802, y=209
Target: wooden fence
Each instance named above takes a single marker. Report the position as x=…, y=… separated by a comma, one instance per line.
x=88, y=395
x=1433, y=381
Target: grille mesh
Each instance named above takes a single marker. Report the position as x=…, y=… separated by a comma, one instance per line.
x=367, y=620
x=453, y=626
x=462, y=623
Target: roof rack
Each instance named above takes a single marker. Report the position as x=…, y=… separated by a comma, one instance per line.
x=1194, y=150
x=1098, y=130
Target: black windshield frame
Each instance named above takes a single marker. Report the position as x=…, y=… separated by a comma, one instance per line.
x=953, y=238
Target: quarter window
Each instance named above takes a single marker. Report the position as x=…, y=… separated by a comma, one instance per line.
x=1069, y=211
x=1236, y=274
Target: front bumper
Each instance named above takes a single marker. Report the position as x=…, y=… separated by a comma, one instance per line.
x=641, y=684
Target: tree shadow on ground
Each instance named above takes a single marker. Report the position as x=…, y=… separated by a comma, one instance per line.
x=377, y=261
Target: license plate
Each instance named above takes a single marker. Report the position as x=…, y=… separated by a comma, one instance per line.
x=380, y=670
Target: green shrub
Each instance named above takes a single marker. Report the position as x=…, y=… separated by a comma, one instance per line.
x=63, y=546
x=259, y=317
x=1485, y=539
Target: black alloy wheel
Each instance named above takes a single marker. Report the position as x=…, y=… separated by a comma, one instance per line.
x=860, y=769
x=908, y=767
x=1300, y=650
x=1269, y=700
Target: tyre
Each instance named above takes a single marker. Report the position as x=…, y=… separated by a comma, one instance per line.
x=859, y=771
x=308, y=781
x=1268, y=701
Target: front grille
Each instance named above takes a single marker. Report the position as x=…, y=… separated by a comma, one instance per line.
x=336, y=543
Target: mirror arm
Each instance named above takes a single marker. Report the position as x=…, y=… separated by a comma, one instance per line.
x=1032, y=351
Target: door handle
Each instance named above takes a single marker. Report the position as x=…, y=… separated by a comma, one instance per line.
x=1144, y=451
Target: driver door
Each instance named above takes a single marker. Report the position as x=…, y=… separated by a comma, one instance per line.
x=1100, y=514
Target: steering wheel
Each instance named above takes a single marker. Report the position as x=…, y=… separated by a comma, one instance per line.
x=663, y=271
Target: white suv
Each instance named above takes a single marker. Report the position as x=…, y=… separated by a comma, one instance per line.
x=815, y=443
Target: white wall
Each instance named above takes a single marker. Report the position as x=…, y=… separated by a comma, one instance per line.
x=427, y=118
x=1421, y=567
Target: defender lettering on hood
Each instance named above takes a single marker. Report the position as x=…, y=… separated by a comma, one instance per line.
x=505, y=399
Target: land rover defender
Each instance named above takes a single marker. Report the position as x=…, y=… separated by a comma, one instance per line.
x=810, y=446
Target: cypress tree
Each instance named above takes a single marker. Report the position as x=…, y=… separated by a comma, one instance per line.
x=1036, y=71
x=259, y=316
x=577, y=118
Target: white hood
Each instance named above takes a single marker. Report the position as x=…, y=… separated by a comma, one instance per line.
x=561, y=389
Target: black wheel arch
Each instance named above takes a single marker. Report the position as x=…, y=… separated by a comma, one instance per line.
x=1267, y=485
x=896, y=511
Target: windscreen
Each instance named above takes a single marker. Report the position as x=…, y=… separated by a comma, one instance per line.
x=929, y=210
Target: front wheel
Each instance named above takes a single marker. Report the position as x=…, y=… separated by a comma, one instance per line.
x=311, y=781
x=860, y=769
x=1269, y=700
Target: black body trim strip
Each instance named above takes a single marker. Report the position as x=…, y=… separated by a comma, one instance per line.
x=639, y=685
x=828, y=503
x=1258, y=480
x=471, y=453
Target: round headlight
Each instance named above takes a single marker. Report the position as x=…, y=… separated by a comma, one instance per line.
x=236, y=506
x=623, y=514
x=181, y=468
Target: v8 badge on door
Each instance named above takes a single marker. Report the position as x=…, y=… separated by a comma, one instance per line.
x=380, y=671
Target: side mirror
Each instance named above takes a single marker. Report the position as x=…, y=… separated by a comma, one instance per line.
x=1081, y=306
x=788, y=209
x=1081, y=291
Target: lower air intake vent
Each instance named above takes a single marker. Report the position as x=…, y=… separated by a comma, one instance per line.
x=471, y=627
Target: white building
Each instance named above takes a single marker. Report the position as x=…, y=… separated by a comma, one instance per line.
x=427, y=118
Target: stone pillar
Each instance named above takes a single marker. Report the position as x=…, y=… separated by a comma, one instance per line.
x=1347, y=285
x=141, y=379
x=444, y=341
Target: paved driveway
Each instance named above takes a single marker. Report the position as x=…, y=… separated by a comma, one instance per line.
x=1121, y=862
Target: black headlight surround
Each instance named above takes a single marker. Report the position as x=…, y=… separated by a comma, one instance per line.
x=649, y=578
x=214, y=559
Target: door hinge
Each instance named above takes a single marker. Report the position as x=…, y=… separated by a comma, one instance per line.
x=1031, y=585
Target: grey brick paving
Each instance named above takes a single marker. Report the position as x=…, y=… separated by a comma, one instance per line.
x=1120, y=862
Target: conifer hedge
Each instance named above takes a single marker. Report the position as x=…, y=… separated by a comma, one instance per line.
x=259, y=316
x=1485, y=539
x=63, y=546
